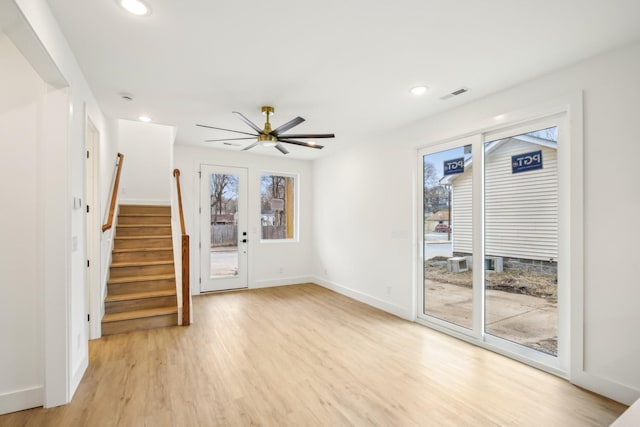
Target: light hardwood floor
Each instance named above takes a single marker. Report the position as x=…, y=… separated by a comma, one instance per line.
x=304, y=356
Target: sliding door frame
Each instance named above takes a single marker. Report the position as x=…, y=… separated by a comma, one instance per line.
x=566, y=113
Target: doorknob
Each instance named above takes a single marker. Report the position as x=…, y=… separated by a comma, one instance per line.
x=244, y=240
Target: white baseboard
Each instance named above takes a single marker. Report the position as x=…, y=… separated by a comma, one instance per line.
x=22, y=399
x=630, y=418
x=383, y=305
x=283, y=281
x=77, y=376
x=606, y=387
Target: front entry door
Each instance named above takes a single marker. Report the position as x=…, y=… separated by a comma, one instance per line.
x=223, y=228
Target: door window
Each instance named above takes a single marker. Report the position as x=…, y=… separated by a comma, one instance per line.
x=223, y=228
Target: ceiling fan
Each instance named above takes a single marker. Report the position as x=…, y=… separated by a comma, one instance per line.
x=268, y=137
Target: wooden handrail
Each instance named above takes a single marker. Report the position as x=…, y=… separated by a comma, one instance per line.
x=114, y=194
x=176, y=173
x=186, y=292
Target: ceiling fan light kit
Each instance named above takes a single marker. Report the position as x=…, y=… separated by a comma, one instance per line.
x=268, y=137
x=267, y=140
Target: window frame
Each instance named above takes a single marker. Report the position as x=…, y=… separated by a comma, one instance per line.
x=296, y=205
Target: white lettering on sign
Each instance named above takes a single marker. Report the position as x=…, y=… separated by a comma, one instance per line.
x=453, y=166
x=526, y=161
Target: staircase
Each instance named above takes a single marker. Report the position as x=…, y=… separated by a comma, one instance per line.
x=141, y=290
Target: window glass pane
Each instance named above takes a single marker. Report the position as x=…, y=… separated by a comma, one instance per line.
x=224, y=224
x=448, y=280
x=521, y=239
x=277, y=207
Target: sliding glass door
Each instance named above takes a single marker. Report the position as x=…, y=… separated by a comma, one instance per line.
x=448, y=292
x=521, y=238
x=490, y=240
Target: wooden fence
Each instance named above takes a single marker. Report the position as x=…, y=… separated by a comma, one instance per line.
x=227, y=234
x=224, y=235
x=274, y=232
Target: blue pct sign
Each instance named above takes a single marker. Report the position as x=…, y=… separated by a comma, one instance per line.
x=453, y=166
x=526, y=162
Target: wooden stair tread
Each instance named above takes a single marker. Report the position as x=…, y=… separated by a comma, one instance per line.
x=139, y=314
x=145, y=225
x=124, y=250
x=142, y=237
x=139, y=263
x=139, y=278
x=144, y=214
x=141, y=295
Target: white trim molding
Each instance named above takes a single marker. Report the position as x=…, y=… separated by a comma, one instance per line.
x=14, y=401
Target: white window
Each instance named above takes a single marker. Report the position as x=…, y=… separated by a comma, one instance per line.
x=277, y=206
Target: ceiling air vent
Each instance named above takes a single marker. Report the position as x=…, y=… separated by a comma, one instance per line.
x=455, y=93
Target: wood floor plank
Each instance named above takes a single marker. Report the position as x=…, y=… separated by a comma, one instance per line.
x=305, y=356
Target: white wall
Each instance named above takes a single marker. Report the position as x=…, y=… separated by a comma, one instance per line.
x=363, y=225
x=146, y=172
x=21, y=334
x=265, y=259
x=61, y=262
x=374, y=186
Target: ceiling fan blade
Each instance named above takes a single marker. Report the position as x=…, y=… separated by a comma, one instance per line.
x=304, y=144
x=309, y=135
x=227, y=139
x=285, y=127
x=281, y=148
x=248, y=122
x=249, y=147
x=228, y=130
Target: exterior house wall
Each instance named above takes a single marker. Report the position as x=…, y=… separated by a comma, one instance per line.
x=461, y=213
x=521, y=210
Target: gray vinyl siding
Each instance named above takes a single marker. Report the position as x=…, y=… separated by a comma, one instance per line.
x=521, y=210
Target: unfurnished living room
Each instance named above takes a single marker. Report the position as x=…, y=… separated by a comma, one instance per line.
x=338, y=213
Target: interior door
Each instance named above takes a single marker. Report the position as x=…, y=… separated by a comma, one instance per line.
x=223, y=228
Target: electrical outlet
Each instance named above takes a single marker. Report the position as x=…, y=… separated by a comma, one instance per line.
x=281, y=270
x=388, y=290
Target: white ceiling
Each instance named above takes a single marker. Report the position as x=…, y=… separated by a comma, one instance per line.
x=344, y=65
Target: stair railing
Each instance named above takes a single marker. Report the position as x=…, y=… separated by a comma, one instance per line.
x=114, y=193
x=186, y=292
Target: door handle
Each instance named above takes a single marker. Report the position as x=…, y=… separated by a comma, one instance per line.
x=244, y=240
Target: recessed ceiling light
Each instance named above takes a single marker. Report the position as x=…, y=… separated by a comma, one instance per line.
x=419, y=90
x=145, y=119
x=135, y=7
